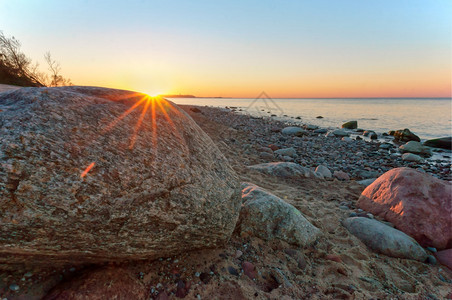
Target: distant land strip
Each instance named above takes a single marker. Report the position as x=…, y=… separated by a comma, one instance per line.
x=178, y=96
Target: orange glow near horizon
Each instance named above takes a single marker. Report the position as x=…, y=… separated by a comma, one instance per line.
x=368, y=81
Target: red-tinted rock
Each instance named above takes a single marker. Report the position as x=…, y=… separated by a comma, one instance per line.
x=334, y=257
x=273, y=147
x=182, y=289
x=416, y=203
x=105, y=283
x=445, y=257
x=162, y=296
x=249, y=269
x=405, y=135
x=341, y=175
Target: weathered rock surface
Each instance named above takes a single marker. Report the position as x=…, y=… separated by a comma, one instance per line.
x=350, y=125
x=288, y=170
x=297, y=131
x=326, y=173
x=384, y=239
x=416, y=203
x=412, y=157
x=367, y=182
x=82, y=179
x=291, y=152
x=405, y=135
x=445, y=143
x=340, y=133
x=104, y=283
x=445, y=257
x=269, y=217
x=341, y=175
x=415, y=148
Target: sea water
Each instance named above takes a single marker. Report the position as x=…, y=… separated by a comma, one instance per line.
x=427, y=118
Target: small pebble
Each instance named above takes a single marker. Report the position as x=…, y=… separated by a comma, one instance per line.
x=233, y=271
x=14, y=287
x=431, y=260
x=28, y=274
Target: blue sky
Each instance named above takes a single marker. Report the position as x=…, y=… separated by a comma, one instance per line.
x=239, y=48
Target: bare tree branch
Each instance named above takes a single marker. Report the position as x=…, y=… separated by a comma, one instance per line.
x=19, y=65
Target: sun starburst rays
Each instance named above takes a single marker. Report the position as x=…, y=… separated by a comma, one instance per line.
x=149, y=108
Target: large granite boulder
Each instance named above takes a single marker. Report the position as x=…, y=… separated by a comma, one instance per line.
x=445, y=143
x=416, y=203
x=405, y=135
x=93, y=174
x=384, y=239
x=269, y=217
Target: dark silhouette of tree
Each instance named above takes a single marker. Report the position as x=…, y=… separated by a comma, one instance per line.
x=17, y=68
x=54, y=67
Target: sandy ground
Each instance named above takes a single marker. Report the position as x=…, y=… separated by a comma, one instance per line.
x=337, y=266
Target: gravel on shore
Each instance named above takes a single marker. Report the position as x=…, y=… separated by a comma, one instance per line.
x=358, y=156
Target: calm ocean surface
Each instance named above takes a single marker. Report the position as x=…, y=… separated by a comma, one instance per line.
x=428, y=118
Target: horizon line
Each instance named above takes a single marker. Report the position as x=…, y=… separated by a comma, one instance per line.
x=388, y=97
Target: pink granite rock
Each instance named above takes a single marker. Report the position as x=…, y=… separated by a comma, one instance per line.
x=445, y=257
x=416, y=203
x=341, y=175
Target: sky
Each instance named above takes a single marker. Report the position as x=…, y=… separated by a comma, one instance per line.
x=310, y=49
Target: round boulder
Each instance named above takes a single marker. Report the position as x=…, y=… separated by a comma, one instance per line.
x=270, y=218
x=92, y=174
x=416, y=203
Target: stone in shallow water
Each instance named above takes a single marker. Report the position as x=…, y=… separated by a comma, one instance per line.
x=405, y=135
x=81, y=180
x=350, y=125
x=445, y=143
x=384, y=239
x=340, y=133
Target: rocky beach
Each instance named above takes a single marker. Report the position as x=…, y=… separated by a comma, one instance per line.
x=210, y=203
